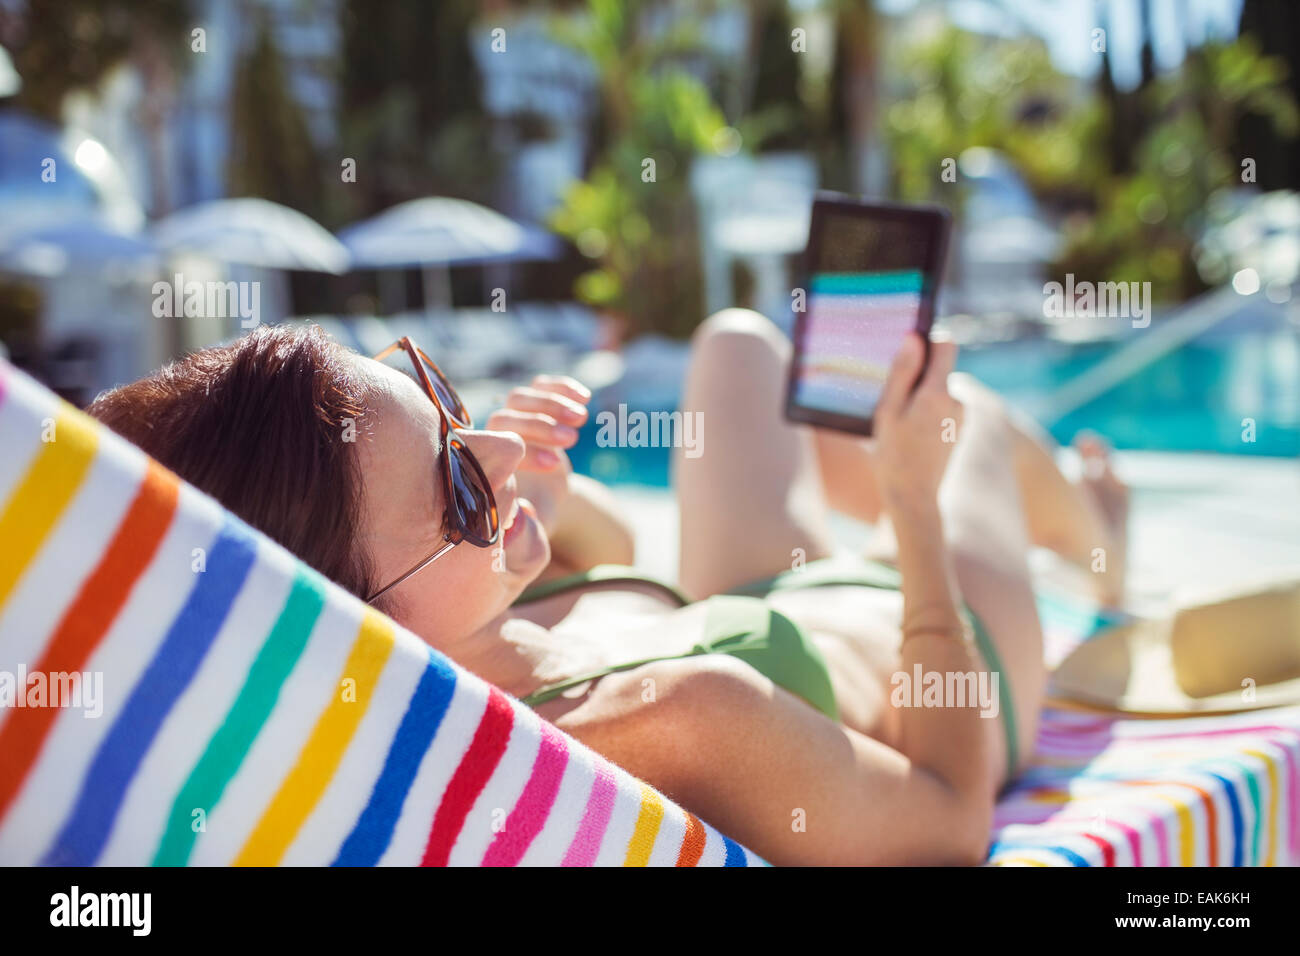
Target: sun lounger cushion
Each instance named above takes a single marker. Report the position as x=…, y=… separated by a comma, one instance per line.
x=230, y=706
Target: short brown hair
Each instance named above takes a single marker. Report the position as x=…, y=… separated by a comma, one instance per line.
x=259, y=425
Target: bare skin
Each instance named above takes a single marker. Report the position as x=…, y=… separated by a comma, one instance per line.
x=887, y=785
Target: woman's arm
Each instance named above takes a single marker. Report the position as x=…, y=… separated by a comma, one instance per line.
x=913, y=419
x=794, y=786
x=589, y=528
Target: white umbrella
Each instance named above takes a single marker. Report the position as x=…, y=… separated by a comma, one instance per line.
x=254, y=232
x=50, y=251
x=439, y=231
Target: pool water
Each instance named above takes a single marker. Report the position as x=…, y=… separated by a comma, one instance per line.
x=1232, y=393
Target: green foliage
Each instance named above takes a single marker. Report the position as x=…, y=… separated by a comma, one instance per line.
x=777, y=117
x=271, y=151
x=63, y=45
x=1146, y=223
x=410, y=107
x=640, y=234
x=959, y=91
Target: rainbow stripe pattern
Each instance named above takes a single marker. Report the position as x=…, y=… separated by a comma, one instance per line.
x=221, y=703
x=1109, y=791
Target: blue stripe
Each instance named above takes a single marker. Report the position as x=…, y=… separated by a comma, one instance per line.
x=1074, y=858
x=1256, y=807
x=83, y=836
x=735, y=855
x=1238, y=823
x=374, y=828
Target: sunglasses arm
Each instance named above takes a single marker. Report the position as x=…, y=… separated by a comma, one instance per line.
x=419, y=567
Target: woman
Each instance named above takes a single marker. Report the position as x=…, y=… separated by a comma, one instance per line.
x=777, y=718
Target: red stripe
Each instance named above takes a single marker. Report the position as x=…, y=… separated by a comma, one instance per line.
x=88, y=619
x=1107, y=849
x=475, y=769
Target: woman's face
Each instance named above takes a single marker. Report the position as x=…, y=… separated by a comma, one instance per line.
x=402, y=512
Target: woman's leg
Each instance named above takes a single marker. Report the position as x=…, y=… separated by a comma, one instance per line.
x=751, y=501
x=1082, y=521
x=982, y=503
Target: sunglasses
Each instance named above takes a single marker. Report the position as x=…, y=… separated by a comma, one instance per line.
x=471, y=510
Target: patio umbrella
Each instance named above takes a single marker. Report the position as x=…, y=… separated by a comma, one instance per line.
x=253, y=232
x=49, y=251
x=439, y=231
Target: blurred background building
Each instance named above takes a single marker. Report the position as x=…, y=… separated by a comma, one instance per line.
x=635, y=165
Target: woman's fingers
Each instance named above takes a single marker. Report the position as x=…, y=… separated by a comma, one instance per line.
x=902, y=375
x=570, y=388
x=540, y=458
x=533, y=427
x=557, y=405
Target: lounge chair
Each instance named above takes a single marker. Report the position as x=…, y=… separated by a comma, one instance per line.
x=233, y=707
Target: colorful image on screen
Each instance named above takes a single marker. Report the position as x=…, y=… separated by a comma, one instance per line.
x=855, y=324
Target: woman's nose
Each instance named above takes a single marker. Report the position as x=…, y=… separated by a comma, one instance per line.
x=498, y=453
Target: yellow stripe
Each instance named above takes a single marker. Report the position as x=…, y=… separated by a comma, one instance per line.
x=43, y=494
x=1017, y=861
x=1272, y=802
x=302, y=788
x=647, y=828
x=1055, y=796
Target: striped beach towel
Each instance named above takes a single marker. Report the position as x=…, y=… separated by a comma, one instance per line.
x=177, y=689
x=1110, y=791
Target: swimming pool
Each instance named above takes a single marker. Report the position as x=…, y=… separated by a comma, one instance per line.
x=1233, y=391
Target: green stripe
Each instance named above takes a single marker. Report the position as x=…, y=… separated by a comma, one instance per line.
x=867, y=283
x=230, y=744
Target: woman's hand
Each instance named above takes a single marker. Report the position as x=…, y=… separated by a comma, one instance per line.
x=546, y=415
x=916, y=429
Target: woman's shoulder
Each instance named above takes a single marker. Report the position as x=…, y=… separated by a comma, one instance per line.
x=656, y=713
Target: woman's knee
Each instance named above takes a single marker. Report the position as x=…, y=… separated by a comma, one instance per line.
x=739, y=335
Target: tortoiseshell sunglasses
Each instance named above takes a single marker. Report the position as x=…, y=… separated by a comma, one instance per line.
x=471, y=508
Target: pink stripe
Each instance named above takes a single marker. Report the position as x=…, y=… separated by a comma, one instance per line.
x=534, y=806
x=1215, y=732
x=1293, y=804
x=1162, y=840
x=591, y=831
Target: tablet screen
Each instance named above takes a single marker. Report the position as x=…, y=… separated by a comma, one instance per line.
x=866, y=288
